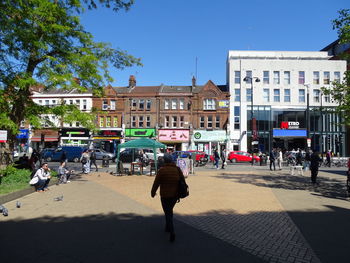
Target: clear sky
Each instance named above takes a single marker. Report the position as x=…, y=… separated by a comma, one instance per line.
x=168, y=35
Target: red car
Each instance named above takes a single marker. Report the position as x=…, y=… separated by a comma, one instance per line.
x=239, y=156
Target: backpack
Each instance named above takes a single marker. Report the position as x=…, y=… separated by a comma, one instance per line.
x=183, y=190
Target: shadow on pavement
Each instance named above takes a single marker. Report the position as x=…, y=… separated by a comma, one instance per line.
x=326, y=187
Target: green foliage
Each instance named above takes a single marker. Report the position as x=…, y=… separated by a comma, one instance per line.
x=342, y=25
x=44, y=43
x=14, y=179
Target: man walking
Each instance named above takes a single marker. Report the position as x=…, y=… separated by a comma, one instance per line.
x=223, y=158
x=216, y=159
x=272, y=159
x=314, y=164
x=93, y=159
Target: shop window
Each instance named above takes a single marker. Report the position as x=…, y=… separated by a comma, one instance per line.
x=133, y=122
x=276, y=77
x=115, y=121
x=148, y=105
x=166, y=104
x=287, y=95
x=181, y=104
x=266, y=77
x=141, y=121
x=141, y=104
x=112, y=104
x=209, y=104
x=102, y=122
x=237, y=77
x=167, y=121
x=201, y=121
x=174, y=122
x=148, y=121
x=301, y=79
x=182, y=121
x=217, y=122
x=237, y=95
x=316, y=78
x=174, y=104
x=266, y=95
x=249, y=94
x=302, y=95
x=286, y=77
x=326, y=77
x=108, y=122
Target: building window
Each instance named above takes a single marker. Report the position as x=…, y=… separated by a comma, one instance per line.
x=286, y=77
x=77, y=124
x=266, y=77
x=287, y=95
x=148, y=121
x=133, y=121
x=141, y=104
x=53, y=102
x=174, y=104
x=316, y=79
x=237, y=77
x=181, y=104
x=115, y=121
x=301, y=95
x=174, y=122
x=236, y=118
x=237, y=95
x=77, y=102
x=276, y=77
x=166, y=104
x=201, y=121
x=217, y=122
x=166, y=123
x=337, y=76
x=327, y=98
x=84, y=104
x=249, y=75
x=182, y=121
x=102, y=122
x=140, y=121
x=70, y=102
x=108, y=122
x=316, y=95
x=276, y=95
x=47, y=102
x=249, y=94
x=112, y=104
x=133, y=104
x=105, y=105
x=209, y=104
x=40, y=102
x=266, y=95
x=301, y=79
x=148, y=104
x=210, y=122
x=326, y=77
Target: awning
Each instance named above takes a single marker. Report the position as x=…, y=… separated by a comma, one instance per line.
x=47, y=139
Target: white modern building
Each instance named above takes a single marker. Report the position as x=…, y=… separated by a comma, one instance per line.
x=277, y=84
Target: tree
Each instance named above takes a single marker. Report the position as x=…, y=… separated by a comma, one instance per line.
x=340, y=91
x=42, y=42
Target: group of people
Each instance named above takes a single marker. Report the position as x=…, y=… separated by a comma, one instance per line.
x=276, y=155
x=217, y=158
x=88, y=158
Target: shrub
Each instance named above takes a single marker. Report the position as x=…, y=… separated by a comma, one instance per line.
x=13, y=179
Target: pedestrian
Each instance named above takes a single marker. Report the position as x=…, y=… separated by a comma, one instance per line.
x=64, y=156
x=85, y=161
x=328, y=158
x=314, y=164
x=272, y=159
x=168, y=178
x=63, y=173
x=41, y=178
x=216, y=159
x=93, y=159
x=307, y=160
x=223, y=158
x=279, y=158
x=299, y=158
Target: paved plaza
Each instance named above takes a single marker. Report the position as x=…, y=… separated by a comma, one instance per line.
x=240, y=214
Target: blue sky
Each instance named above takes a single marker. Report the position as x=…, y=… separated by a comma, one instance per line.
x=168, y=35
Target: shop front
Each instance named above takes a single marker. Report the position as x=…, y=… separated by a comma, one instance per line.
x=44, y=138
x=287, y=138
x=131, y=134
x=176, y=140
x=207, y=141
x=107, y=139
x=22, y=140
x=75, y=137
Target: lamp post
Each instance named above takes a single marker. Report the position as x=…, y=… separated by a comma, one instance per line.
x=252, y=79
x=307, y=111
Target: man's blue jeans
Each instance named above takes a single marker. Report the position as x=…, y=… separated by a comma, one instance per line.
x=42, y=184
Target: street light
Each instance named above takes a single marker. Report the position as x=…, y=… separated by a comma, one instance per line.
x=252, y=79
x=307, y=111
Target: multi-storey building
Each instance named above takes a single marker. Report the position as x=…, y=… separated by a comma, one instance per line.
x=269, y=101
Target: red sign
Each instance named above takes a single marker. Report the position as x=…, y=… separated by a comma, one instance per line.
x=284, y=125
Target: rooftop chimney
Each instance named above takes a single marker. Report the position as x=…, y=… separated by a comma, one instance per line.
x=132, y=81
x=193, y=81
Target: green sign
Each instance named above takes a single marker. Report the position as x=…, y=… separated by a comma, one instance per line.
x=140, y=133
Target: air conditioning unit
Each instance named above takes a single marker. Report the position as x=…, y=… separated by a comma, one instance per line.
x=105, y=107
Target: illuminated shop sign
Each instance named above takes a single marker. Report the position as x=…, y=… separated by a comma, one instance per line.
x=289, y=125
x=140, y=132
x=289, y=133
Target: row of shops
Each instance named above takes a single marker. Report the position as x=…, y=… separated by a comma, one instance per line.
x=108, y=139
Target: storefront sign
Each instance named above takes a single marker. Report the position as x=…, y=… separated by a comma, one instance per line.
x=174, y=135
x=223, y=103
x=23, y=134
x=75, y=133
x=47, y=135
x=140, y=132
x=109, y=133
x=289, y=125
x=209, y=136
x=288, y=133
x=3, y=136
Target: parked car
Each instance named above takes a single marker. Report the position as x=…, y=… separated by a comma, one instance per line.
x=73, y=153
x=149, y=153
x=240, y=156
x=200, y=156
x=101, y=154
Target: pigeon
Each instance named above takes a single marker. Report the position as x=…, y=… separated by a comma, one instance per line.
x=99, y=175
x=59, y=198
x=5, y=212
x=1, y=208
x=18, y=204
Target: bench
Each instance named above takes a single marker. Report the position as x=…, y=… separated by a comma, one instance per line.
x=297, y=168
